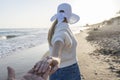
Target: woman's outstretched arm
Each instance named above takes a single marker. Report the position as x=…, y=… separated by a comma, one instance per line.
x=57, y=48
x=53, y=60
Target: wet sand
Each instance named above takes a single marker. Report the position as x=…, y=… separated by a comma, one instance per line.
x=22, y=61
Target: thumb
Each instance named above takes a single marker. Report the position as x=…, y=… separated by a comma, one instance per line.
x=11, y=73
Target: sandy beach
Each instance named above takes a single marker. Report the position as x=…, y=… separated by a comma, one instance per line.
x=91, y=67
x=96, y=61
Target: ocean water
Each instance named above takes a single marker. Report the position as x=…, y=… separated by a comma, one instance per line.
x=14, y=40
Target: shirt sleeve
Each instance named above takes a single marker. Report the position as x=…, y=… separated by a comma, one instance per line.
x=68, y=40
x=62, y=36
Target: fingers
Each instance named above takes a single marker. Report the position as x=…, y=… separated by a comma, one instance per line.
x=36, y=67
x=11, y=73
x=43, y=65
x=54, y=69
x=45, y=76
x=46, y=65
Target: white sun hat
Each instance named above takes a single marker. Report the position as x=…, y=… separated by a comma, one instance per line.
x=71, y=17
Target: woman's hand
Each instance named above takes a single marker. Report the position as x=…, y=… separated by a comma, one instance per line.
x=42, y=65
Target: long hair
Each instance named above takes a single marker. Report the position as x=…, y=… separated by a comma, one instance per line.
x=51, y=32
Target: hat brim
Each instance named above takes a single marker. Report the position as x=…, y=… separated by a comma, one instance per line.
x=72, y=20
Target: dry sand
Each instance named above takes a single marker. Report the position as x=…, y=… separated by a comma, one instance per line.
x=91, y=67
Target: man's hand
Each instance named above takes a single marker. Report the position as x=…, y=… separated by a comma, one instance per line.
x=29, y=76
x=42, y=66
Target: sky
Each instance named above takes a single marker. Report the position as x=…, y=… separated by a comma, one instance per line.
x=37, y=13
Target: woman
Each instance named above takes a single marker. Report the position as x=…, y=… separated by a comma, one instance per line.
x=62, y=46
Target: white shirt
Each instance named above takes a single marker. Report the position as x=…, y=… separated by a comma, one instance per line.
x=68, y=54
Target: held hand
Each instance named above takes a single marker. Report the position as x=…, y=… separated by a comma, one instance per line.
x=55, y=64
x=29, y=76
x=42, y=66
